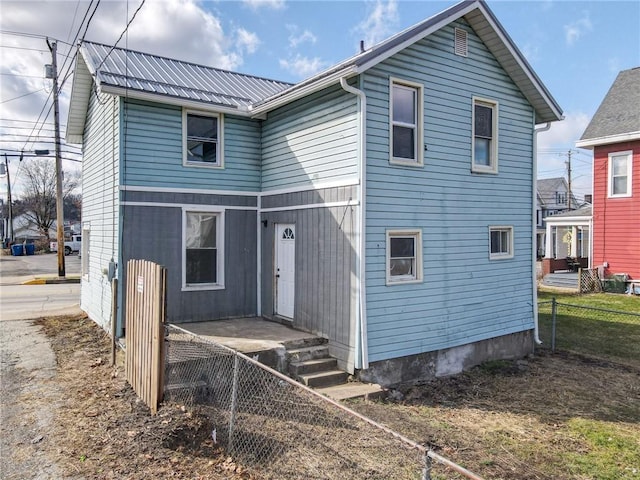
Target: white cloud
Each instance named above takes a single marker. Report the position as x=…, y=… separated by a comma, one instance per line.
x=272, y=4
x=574, y=30
x=302, y=66
x=296, y=38
x=381, y=22
x=180, y=29
x=247, y=41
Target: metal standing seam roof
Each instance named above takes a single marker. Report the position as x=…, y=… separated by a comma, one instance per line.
x=120, y=71
x=137, y=71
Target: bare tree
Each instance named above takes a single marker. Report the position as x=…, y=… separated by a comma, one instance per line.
x=38, y=199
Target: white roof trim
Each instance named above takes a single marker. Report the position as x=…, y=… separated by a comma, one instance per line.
x=619, y=138
x=297, y=93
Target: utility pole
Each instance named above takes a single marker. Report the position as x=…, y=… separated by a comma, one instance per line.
x=569, y=179
x=10, y=222
x=59, y=202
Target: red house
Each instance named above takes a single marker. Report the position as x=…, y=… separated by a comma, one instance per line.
x=614, y=136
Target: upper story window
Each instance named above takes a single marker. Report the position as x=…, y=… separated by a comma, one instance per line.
x=561, y=198
x=485, y=136
x=500, y=243
x=406, y=123
x=620, y=174
x=202, y=134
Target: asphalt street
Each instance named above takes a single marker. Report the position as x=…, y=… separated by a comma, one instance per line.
x=22, y=302
x=29, y=396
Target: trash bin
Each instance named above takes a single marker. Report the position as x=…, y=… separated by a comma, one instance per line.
x=31, y=249
x=16, y=250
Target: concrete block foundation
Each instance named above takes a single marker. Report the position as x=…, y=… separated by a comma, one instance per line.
x=426, y=366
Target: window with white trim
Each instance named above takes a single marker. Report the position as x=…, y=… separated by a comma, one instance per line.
x=203, y=250
x=500, y=242
x=485, y=136
x=404, y=256
x=406, y=123
x=620, y=174
x=202, y=139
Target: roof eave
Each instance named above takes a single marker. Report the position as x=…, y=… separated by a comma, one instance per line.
x=589, y=143
x=545, y=106
x=79, y=102
x=299, y=91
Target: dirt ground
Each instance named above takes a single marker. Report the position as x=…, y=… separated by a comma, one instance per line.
x=552, y=416
x=100, y=430
x=504, y=420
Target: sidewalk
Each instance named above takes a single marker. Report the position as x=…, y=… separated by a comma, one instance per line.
x=52, y=279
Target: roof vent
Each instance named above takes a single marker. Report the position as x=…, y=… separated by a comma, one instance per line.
x=460, y=42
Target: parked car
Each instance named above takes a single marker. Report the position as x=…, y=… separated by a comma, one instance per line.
x=73, y=244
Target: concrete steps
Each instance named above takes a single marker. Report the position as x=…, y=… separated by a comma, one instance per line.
x=314, y=367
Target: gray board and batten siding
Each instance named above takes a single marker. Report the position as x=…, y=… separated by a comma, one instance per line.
x=162, y=244
x=464, y=297
x=325, y=262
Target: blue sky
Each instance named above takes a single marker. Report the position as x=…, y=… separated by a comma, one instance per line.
x=576, y=48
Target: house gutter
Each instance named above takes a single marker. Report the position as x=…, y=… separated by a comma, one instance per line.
x=534, y=253
x=361, y=305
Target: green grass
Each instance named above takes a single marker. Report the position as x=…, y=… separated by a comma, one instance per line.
x=613, y=452
x=602, y=325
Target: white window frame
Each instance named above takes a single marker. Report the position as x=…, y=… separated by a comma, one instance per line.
x=501, y=255
x=493, y=163
x=418, y=125
x=220, y=227
x=84, y=250
x=629, y=156
x=220, y=140
x=407, y=279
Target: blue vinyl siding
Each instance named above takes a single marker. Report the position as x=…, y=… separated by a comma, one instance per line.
x=312, y=140
x=153, y=151
x=464, y=296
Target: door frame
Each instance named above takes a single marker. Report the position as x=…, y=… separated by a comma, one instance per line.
x=290, y=310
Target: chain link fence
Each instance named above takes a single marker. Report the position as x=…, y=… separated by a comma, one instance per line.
x=610, y=334
x=280, y=429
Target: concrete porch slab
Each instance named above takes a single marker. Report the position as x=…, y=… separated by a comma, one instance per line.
x=251, y=335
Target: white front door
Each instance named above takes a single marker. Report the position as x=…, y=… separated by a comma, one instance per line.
x=285, y=268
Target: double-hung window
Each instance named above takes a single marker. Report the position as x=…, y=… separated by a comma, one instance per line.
x=406, y=123
x=500, y=242
x=203, y=252
x=404, y=256
x=202, y=134
x=620, y=174
x=485, y=136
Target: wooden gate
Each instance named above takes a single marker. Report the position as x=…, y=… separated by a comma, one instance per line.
x=144, y=323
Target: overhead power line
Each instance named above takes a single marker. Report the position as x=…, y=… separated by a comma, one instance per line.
x=22, y=96
x=120, y=37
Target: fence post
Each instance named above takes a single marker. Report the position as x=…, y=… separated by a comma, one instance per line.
x=234, y=400
x=554, y=307
x=426, y=474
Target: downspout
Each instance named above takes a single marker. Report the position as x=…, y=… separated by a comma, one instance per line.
x=536, y=131
x=360, y=277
